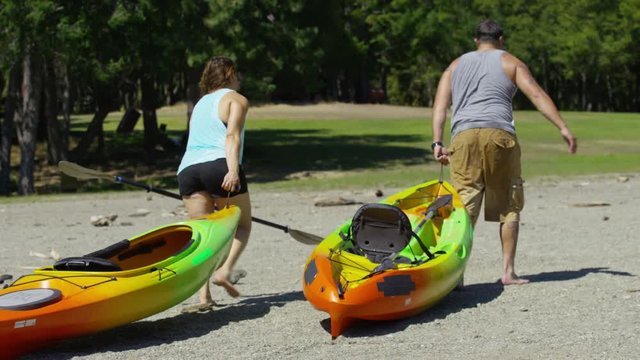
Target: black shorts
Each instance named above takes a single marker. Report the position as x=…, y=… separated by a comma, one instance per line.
x=208, y=176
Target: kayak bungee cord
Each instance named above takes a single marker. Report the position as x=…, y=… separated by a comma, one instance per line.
x=65, y=279
x=160, y=270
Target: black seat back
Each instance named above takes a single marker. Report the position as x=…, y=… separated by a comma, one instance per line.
x=86, y=263
x=379, y=230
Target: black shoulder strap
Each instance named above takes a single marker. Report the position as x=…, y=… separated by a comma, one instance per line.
x=422, y=245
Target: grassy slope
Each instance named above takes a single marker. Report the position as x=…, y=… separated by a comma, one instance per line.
x=394, y=152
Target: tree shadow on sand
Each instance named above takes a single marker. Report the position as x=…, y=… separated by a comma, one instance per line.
x=148, y=333
x=272, y=155
x=470, y=296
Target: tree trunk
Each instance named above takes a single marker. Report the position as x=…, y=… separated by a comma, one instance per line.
x=63, y=90
x=362, y=84
x=193, y=95
x=383, y=83
x=54, y=136
x=13, y=93
x=95, y=128
x=545, y=73
x=105, y=97
x=637, y=97
x=27, y=122
x=193, y=84
x=149, y=105
x=583, y=92
x=128, y=121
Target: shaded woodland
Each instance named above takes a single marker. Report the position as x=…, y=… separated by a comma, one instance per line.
x=59, y=58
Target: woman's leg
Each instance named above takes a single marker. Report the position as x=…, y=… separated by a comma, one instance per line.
x=222, y=276
x=200, y=204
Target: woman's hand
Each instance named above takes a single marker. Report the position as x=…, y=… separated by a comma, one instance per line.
x=231, y=181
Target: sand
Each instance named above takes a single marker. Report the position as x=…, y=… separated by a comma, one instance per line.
x=579, y=246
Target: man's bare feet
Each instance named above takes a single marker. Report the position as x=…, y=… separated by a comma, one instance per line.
x=513, y=279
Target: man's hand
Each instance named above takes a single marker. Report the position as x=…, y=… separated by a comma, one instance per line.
x=570, y=139
x=441, y=154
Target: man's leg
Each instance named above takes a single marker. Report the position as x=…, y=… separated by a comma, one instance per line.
x=504, y=194
x=509, y=238
x=467, y=176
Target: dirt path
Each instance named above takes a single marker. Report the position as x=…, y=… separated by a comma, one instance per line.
x=579, y=247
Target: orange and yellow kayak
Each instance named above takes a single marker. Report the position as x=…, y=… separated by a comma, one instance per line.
x=370, y=277
x=122, y=283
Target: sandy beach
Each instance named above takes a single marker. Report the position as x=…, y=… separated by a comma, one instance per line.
x=578, y=246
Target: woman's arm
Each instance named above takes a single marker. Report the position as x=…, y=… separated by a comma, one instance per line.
x=237, y=109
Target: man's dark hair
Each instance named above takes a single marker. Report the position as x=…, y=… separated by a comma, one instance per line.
x=488, y=31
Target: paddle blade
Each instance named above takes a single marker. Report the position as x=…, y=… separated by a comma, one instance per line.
x=304, y=238
x=440, y=202
x=80, y=172
x=432, y=209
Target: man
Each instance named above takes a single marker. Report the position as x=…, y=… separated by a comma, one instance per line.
x=484, y=153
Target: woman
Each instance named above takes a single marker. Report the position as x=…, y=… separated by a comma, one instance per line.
x=210, y=173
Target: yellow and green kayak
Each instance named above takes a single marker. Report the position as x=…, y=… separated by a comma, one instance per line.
x=122, y=283
x=393, y=259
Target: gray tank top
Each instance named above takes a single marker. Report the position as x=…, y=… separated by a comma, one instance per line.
x=481, y=93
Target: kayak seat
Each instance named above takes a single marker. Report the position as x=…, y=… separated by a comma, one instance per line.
x=110, y=250
x=86, y=263
x=379, y=230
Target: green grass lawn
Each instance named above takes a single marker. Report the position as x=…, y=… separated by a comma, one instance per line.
x=396, y=152
x=331, y=154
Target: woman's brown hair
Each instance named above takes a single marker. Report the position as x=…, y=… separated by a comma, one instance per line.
x=218, y=73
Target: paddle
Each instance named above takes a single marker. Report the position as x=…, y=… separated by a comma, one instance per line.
x=80, y=172
x=433, y=209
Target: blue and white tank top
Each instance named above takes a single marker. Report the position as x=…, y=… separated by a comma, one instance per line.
x=481, y=93
x=207, y=132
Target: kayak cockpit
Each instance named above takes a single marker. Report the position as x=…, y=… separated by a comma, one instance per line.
x=147, y=250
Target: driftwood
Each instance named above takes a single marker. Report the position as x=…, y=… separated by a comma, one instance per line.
x=591, y=204
x=336, y=202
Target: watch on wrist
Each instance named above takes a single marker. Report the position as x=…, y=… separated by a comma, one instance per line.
x=436, y=143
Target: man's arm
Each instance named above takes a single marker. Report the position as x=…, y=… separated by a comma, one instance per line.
x=529, y=86
x=440, y=105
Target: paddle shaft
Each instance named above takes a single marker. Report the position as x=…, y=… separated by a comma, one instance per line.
x=120, y=179
x=81, y=172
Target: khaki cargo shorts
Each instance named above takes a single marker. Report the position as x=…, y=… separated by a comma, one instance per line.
x=487, y=162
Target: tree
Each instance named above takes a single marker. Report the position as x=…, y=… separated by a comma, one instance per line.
x=26, y=36
x=8, y=129
x=93, y=53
